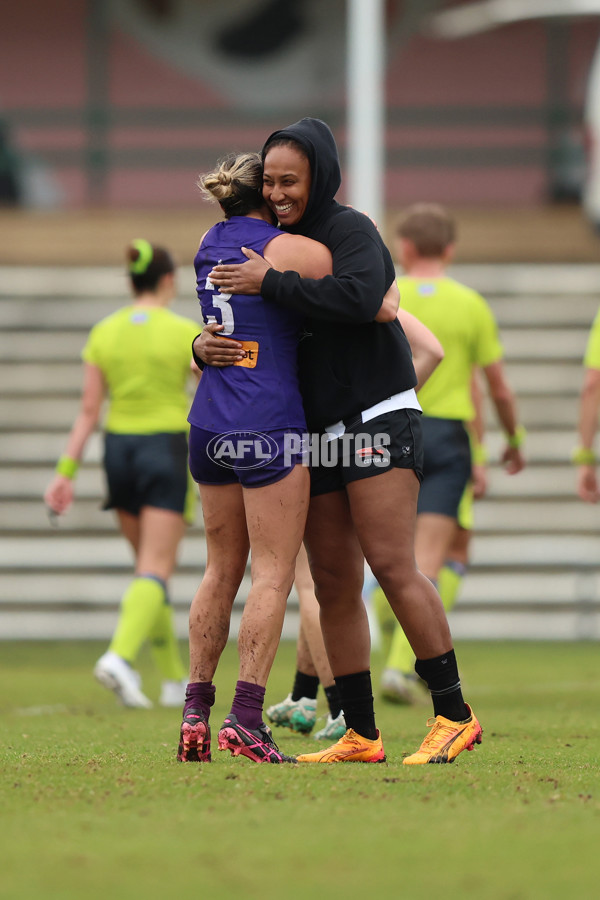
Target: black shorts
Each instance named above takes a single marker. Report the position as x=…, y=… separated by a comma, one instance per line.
x=447, y=466
x=146, y=470
x=391, y=440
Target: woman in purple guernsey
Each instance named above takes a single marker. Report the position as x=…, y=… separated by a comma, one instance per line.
x=246, y=426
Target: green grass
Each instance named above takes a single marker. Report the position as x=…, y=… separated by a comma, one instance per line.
x=94, y=804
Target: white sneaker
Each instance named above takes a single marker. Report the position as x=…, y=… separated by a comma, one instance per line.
x=400, y=687
x=299, y=715
x=172, y=693
x=115, y=674
x=333, y=730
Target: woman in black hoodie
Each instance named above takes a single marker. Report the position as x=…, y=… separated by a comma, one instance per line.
x=357, y=381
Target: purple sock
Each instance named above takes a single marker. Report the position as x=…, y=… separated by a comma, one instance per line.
x=199, y=695
x=247, y=704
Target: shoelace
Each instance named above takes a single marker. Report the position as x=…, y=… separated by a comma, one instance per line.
x=267, y=737
x=438, y=732
x=270, y=743
x=350, y=737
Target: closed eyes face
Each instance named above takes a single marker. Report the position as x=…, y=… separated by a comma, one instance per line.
x=286, y=183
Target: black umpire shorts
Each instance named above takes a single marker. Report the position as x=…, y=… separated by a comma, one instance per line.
x=447, y=468
x=146, y=470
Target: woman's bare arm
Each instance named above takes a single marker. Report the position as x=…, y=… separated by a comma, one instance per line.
x=59, y=493
x=389, y=308
x=426, y=349
x=297, y=253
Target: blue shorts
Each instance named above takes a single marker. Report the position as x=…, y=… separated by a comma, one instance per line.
x=249, y=458
x=447, y=468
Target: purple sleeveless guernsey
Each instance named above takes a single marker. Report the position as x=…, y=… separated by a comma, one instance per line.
x=260, y=392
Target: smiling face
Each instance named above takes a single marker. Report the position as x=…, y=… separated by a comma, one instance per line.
x=286, y=183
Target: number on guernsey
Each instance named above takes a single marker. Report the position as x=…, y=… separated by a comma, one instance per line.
x=221, y=301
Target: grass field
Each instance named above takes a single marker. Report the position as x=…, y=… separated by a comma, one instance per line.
x=94, y=804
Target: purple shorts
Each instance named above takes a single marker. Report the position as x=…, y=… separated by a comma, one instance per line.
x=249, y=458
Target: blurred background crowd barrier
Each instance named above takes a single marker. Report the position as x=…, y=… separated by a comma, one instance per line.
x=121, y=103
x=109, y=110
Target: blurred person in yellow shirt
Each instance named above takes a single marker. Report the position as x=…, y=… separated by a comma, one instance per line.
x=584, y=456
x=465, y=326
x=140, y=358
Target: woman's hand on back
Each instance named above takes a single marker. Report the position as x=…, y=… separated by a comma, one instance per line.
x=217, y=351
x=241, y=278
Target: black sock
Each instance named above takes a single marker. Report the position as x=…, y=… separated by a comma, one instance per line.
x=441, y=676
x=356, y=697
x=305, y=686
x=333, y=700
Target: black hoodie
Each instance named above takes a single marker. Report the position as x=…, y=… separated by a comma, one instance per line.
x=348, y=362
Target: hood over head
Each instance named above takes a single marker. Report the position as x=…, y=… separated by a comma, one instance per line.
x=315, y=137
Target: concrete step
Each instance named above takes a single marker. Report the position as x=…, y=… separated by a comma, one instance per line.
x=57, y=313
x=494, y=515
x=85, y=515
x=466, y=624
x=524, y=624
x=49, y=378
x=55, y=413
x=86, y=589
x=78, y=282
x=482, y=588
x=530, y=279
x=547, y=311
x=535, y=606
x=534, y=566
x=536, y=550
x=533, y=483
x=520, y=344
x=25, y=482
x=43, y=314
x=552, y=344
x=30, y=515
x=58, y=281
x=67, y=551
x=65, y=378
x=554, y=481
x=542, y=516
x=44, y=447
x=506, y=279
x=493, y=586
x=542, y=446
x=541, y=377
x=51, y=412
x=83, y=605
x=54, y=313
x=60, y=346
x=99, y=624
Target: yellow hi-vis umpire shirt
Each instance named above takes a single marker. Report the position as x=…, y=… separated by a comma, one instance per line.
x=591, y=359
x=465, y=326
x=144, y=354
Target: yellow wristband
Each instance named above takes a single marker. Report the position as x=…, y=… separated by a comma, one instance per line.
x=583, y=456
x=516, y=440
x=67, y=466
x=479, y=454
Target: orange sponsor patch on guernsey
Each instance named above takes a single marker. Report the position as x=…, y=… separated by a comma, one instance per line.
x=249, y=361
